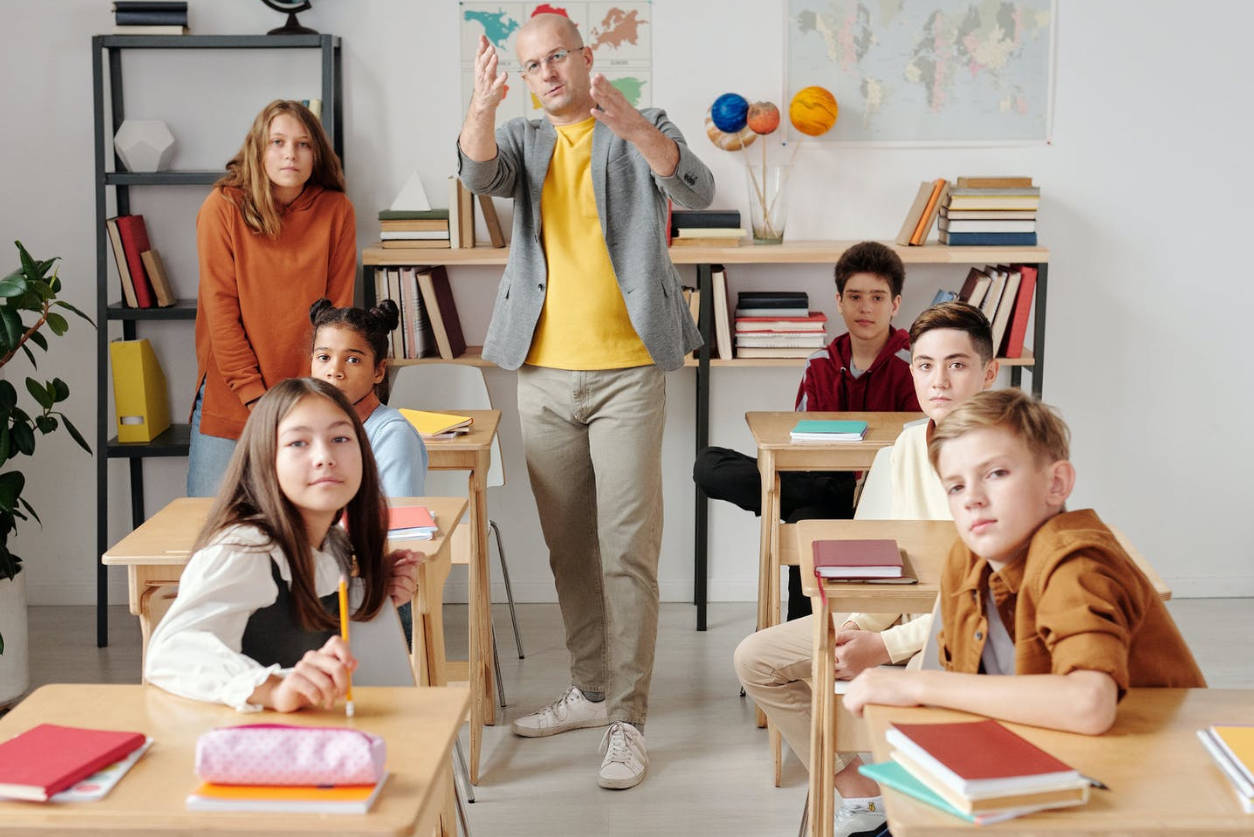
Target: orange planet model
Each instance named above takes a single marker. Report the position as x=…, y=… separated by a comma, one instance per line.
x=813, y=110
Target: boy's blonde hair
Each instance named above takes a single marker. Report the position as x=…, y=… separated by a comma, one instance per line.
x=1037, y=424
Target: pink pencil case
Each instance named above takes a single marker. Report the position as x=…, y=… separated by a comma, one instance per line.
x=281, y=754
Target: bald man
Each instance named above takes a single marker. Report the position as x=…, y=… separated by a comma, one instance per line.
x=591, y=314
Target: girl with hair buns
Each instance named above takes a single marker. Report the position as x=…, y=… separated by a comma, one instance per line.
x=275, y=233
x=350, y=347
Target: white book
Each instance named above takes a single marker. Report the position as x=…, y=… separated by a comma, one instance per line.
x=993, y=297
x=986, y=226
x=414, y=235
x=814, y=341
x=772, y=312
x=722, y=322
x=710, y=232
x=1005, y=308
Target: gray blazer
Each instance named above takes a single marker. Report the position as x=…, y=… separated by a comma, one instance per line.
x=631, y=202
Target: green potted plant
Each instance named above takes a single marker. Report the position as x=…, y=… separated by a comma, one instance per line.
x=28, y=297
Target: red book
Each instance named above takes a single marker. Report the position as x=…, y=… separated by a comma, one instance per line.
x=879, y=558
x=980, y=758
x=134, y=242
x=1023, y=307
x=410, y=517
x=47, y=759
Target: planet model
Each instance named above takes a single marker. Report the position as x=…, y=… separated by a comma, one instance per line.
x=763, y=117
x=729, y=112
x=813, y=110
x=728, y=142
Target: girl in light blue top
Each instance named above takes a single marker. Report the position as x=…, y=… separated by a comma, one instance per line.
x=350, y=348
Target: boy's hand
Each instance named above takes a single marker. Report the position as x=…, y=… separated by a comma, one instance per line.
x=319, y=678
x=883, y=685
x=403, y=581
x=857, y=651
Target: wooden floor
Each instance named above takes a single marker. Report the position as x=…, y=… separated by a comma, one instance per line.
x=709, y=766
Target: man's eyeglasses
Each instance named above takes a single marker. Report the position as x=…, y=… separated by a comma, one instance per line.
x=557, y=56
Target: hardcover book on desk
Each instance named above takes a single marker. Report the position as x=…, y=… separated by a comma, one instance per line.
x=858, y=559
x=48, y=758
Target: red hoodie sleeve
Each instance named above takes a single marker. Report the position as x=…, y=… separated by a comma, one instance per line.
x=907, y=399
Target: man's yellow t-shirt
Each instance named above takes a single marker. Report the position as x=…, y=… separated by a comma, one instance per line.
x=584, y=322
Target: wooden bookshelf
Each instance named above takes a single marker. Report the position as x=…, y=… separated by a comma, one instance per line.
x=705, y=258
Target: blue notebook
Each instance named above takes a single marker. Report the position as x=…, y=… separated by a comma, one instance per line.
x=895, y=776
x=828, y=430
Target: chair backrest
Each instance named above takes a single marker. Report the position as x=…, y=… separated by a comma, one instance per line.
x=379, y=646
x=876, y=500
x=931, y=648
x=443, y=387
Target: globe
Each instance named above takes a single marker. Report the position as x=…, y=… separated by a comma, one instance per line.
x=813, y=110
x=729, y=112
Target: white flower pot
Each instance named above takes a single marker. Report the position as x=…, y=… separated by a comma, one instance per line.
x=14, y=662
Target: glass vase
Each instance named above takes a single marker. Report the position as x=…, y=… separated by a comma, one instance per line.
x=767, y=201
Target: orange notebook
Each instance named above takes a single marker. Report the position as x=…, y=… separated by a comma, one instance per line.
x=295, y=799
x=929, y=214
x=47, y=759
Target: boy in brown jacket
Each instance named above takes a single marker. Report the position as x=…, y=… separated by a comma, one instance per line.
x=1031, y=589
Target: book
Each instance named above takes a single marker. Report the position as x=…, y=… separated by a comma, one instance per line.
x=981, y=759
x=988, y=239
x=895, y=776
x=813, y=341
x=924, y=227
x=154, y=5
x=762, y=313
x=413, y=215
x=1012, y=803
x=943, y=296
x=283, y=799
x=454, y=213
x=773, y=299
x=773, y=351
x=119, y=256
x=815, y=322
x=418, y=244
x=437, y=299
x=1023, y=308
x=420, y=342
x=722, y=320
x=153, y=17
x=709, y=218
x=986, y=226
x=431, y=424
x=97, y=785
x=414, y=235
x=875, y=558
x=1012, y=191
x=410, y=523
x=406, y=224
x=46, y=759
x=984, y=201
x=710, y=232
x=915, y=214
x=155, y=269
x=975, y=287
x=828, y=430
x=465, y=214
x=995, y=183
x=395, y=339
x=492, y=221
x=1232, y=749
x=150, y=30
x=134, y=235
x=706, y=241
x=1005, y=308
x=988, y=214
x=993, y=297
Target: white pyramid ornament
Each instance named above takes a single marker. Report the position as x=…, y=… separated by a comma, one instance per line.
x=144, y=145
x=413, y=197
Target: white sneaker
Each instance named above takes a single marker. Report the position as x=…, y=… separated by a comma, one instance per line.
x=625, y=760
x=570, y=711
x=859, y=822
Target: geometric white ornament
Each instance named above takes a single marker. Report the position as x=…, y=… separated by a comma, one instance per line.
x=144, y=145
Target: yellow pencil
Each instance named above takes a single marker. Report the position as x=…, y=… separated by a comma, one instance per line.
x=348, y=707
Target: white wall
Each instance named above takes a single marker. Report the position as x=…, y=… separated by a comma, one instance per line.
x=1141, y=204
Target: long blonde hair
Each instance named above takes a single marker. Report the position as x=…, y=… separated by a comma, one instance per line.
x=251, y=496
x=246, y=171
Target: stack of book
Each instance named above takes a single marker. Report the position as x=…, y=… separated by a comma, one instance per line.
x=977, y=770
x=410, y=523
x=1232, y=748
x=995, y=211
x=413, y=228
x=778, y=324
x=140, y=269
x=1004, y=293
x=149, y=17
x=429, y=322
x=705, y=228
x=51, y=763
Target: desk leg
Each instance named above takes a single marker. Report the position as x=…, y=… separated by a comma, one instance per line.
x=482, y=682
x=822, y=724
x=770, y=494
x=427, y=651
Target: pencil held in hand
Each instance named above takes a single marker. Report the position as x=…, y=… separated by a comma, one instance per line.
x=348, y=706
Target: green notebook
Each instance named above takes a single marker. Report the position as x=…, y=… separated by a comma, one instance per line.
x=895, y=776
x=413, y=215
x=828, y=430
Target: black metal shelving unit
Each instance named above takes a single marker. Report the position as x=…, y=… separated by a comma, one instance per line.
x=106, y=57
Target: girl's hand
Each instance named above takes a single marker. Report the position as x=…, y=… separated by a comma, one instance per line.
x=883, y=685
x=403, y=582
x=319, y=679
x=857, y=651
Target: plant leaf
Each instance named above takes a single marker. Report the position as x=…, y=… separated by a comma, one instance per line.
x=61, y=303
x=46, y=424
x=60, y=390
x=12, y=325
x=39, y=340
x=26, y=350
x=28, y=264
x=11, y=485
x=24, y=437
x=5, y=442
x=73, y=431
x=8, y=396
x=57, y=323
x=40, y=393
x=13, y=285
x=29, y=510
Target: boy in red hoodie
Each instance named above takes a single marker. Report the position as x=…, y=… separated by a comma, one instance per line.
x=865, y=369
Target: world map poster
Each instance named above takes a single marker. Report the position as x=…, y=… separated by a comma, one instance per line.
x=620, y=35
x=927, y=71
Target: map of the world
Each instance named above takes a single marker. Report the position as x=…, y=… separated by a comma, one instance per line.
x=927, y=70
x=619, y=34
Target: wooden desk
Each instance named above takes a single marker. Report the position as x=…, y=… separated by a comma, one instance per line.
x=418, y=724
x=778, y=453
x=1161, y=779
x=473, y=452
x=154, y=556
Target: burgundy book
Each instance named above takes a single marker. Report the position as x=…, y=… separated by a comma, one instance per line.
x=1023, y=307
x=47, y=759
x=878, y=558
x=437, y=298
x=976, y=758
x=135, y=241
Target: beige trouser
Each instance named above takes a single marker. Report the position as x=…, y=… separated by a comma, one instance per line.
x=593, y=442
x=774, y=667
